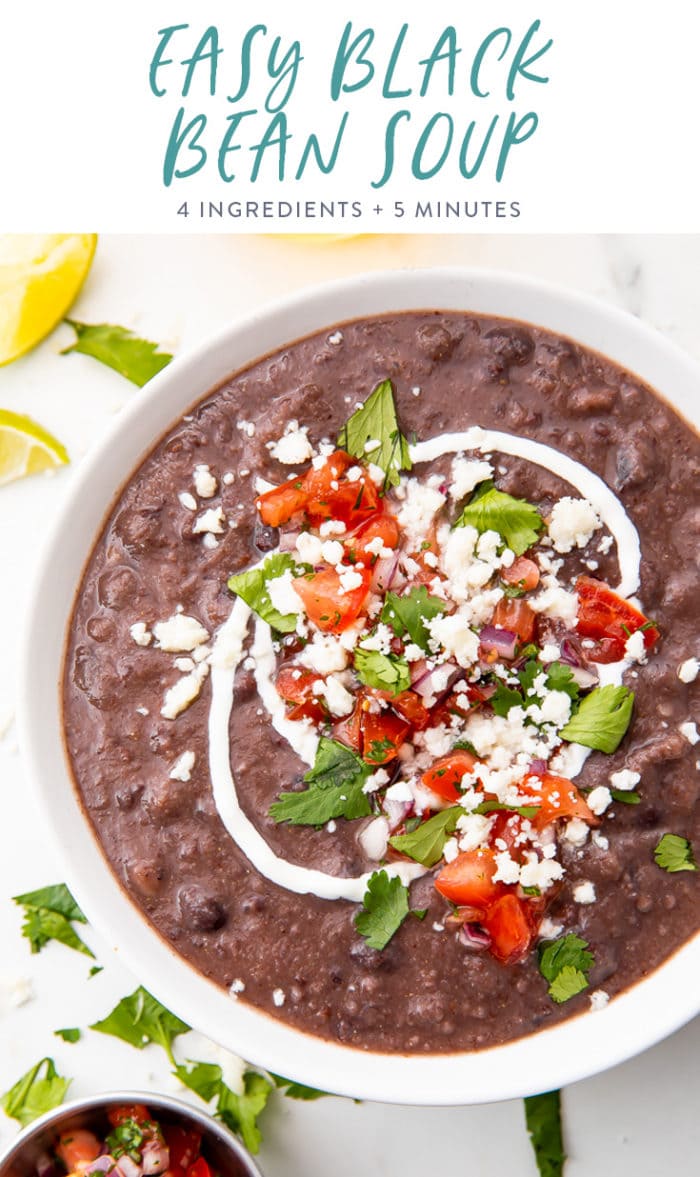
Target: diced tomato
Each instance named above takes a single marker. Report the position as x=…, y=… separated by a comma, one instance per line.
x=382, y=527
x=383, y=733
x=135, y=1111
x=610, y=619
x=446, y=774
x=183, y=1145
x=330, y=496
x=523, y=573
x=510, y=927
x=295, y=684
x=556, y=797
x=325, y=602
x=200, y=1168
x=277, y=506
x=468, y=880
x=78, y=1148
x=507, y=827
x=411, y=707
x=349, y=731
x=517, y=616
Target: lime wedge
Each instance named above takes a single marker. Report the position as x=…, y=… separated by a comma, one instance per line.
x=40, y=276
x=26, y=448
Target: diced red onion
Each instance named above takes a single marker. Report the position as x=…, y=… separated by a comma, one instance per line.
x=419, y=671
x=425, y=686
x=45, y=1165
x=125, y=1166
x=105, y=1163
x=288, y=540
x=538, y=767
x=396, y=813
x=584, y=677
x=569, y=652
x=155, y=1158
x=384, y=573
x=473, y=937
x=503, y=641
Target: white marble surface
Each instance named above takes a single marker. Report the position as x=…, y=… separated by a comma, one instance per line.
x=623, y=1123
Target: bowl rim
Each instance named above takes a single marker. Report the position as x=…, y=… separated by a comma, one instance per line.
x=639, y=1017
x=154, y=1099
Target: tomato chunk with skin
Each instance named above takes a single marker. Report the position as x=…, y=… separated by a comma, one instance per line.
x=277, y=506
x=383, y=733
x=382, y=527
x=445, y=775
x=136, y=1111
x=468, y=880
x=610, y=619
x=411, y=707
x=331, y=496
x=510, y=927
x=325, y=601
x=523, y=573
x=296, y=686
x=183, y=1145
x=557, y=797
x=78, y=1148
x=516, y=616
x=200, y=1168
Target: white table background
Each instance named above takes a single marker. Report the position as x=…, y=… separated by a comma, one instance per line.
x=640, y=1118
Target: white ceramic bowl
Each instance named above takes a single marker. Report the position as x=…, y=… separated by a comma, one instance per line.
x=579, y=1047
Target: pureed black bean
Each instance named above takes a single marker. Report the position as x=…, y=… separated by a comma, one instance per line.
x=300, y=958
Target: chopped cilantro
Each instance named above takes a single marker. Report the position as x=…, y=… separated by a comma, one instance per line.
x=602, y=719
x=376, y=753
x=140, y=1019
x=385, y=907
x=385, y=672
x=565, y=963
x=35, y=1093
x=543, y=1119
x=674, y=853
x=625, y=796
x=426, y=843
x=251, y=586
x=504, y=698
x=517, y=521
x=409, y=614
x=125, y=1140
x=335, y=789
x=239, y=1111
x=375, y=421
x=558, y=678
x=528, y=811
x=49, y=914
x=137, y=359
x=70, y=1035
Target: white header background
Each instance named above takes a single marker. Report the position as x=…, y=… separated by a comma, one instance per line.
x=83, y=137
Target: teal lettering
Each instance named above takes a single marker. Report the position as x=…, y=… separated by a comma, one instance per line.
x=465, y=170
x=227, y=147
x=474, y=78
x=312, y=145
x=158, y=60
x=180, y=138
x=420, y=172
x=387, y=91
x=449, y=54
x=389, y=147
x=246, y=54
x=275, y=136
x=520, y=64
x=527, y=125
x=207, y=50
x=288, y=67
x=343, y=58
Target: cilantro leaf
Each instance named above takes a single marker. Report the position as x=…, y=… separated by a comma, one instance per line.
x=34, y=1093
x=386, y=672
x=297, y=1090
x=409, y=614
x=140, y=1019
x=425, y=844
x=515, y=519
x=625, y=796
x=674, y=853
x=543, y=1119
x=335, y=789
x=602, y=719
x=376, y=421
x=251, y=586
x=560, y=678
x=137, y=359
x=565, y=963
x=71, y=1035
x=49, y=914
x=385, y=907
x=239, y=1111
x=528, y=811
x=504, y=698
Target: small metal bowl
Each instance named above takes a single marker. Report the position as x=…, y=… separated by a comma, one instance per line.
x=225, y=1154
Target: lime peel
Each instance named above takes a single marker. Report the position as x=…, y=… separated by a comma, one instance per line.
x=27, y=448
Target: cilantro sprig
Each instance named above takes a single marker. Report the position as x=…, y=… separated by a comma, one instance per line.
x=385, y=672
x=49, y=914
x=565, y=963
x=602, y=719
x=137, y=359
x=38, y=1091
x=411, y=613
x=558, y=678
x=376, y=421
x=516, y=520
x=674, y=853
x=140, y=1019
x=426, y=843
x=252, y=587
x=543, y=1120
x=384, y=908
x=335, y=789
x=239, y=1111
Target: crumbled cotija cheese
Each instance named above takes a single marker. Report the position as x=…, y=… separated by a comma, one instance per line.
x=324, y=654
x=182, y=768
x=293, y=447
x=625, y=779
x=283, y=596
x=179, y=697
x=584, y=893
x=634, y=647
x=690, y=731
x=179, y=633
x=466, y=475
x=211, y=521
x=599, y=799
x=688, y=670
x=418, y=510
x=140, y=634
x=572, y=524
x=204, y=482
x=187, y=500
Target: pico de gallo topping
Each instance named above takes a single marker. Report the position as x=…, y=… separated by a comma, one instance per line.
x=137, y=1145
x=428, y=635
